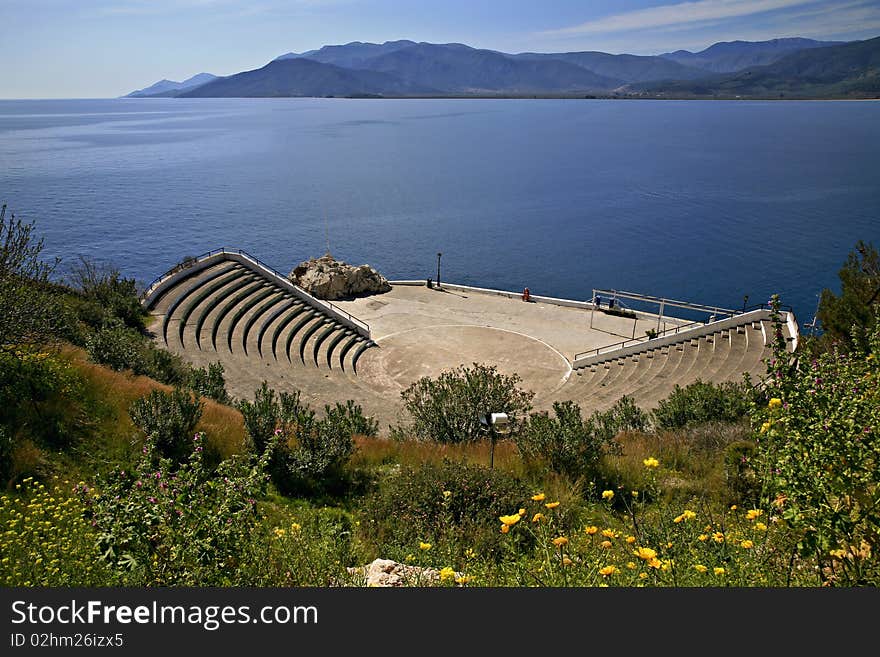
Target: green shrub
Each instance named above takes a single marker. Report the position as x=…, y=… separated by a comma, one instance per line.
x=448, y=408
x=818, y=441
x=116, y=296
x=312, y=453
x=117, y=347
x=162, y=365
x=42, y=397
x=170, y=419
x=6, y=449
x=702, y=402
x=209, y=382
x=452, y=506
x=623, y=416
x=350, y=419
x=569, y=444
x=164, y=525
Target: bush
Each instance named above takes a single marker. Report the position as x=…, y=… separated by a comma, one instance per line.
x=116, y=296
x=162, y=525
x=818, y=441
x=312, y=453
x=169, y=419
x=209, y=382
x=42, y=397
x=623, y=416
x=350, y=419
x=453, y=506
x=448, y=408
x=701, y=402
x=163, y=365
x=118, y=348
x=567, y=442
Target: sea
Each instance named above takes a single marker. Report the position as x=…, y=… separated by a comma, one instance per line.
x=721, y=203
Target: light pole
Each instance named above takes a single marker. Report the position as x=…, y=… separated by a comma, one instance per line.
x=438, y=270
x=495, y=424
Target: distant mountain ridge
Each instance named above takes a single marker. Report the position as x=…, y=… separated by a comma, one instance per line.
x=408, y=68
x=848, y=70
x=170, y=87
x=732, y=56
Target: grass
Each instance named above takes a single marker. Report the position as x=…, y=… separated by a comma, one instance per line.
x=114, y=438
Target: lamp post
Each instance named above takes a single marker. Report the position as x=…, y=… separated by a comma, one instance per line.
x=438, y=270
x=745, y=301
x=494, y=424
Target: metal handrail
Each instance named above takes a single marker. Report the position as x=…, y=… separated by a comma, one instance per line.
x=608, y=348
x=186, y=264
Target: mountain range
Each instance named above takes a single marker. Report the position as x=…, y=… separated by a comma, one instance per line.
x=791, y=68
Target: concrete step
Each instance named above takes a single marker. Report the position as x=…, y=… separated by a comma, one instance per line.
x=273, y=317
x=161, y=303
x=228, y=302
x=244, y=310
x=180, y=294
x=279, y=300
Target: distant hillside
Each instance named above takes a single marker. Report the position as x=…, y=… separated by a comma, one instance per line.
x=790, y=67
x=731, y=56
x=350, y=55
x=849, y=70
x=457, y=68
x=303, y=77
x=172, y=88
x=629, y=68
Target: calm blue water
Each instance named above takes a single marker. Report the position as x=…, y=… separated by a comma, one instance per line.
x=703, y=200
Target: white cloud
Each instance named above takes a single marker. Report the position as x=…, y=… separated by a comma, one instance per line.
x=674, y=15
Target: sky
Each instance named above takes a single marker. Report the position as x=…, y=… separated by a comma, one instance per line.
x=106, y=48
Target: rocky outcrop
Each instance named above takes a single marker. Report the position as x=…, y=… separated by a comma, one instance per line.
x=328, y=278
x=385, y=572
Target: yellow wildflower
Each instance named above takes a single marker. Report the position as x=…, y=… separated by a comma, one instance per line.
x=510, y=520
x=631, y=565
x=522, y=512
x=747, y=544
x=760, y=527
x=630, y=539
x=733, y=507
x=424, y=546
x=645, y=553
x=295, y=526
x=765, y=427
x=651, y=462
x=655, y=563
x=635, y=493
x=279, y=532
x=607, y=571
x=643, y=575
x=776, y=402
x=607, y=494
x=751, y=514
x=538, y=517
x=447, y=573
x=447, y=494
x=505, y=529
x=605, y=544
x=839, y=554
x=718, y=537
x=700, y=568
x=566, y=561
x=609, y=533
x=464, y=579
x=539, y=497
x=470, y=553
x=592, y=529
x=559, y=541
x=552, y=505
x=718, y=571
